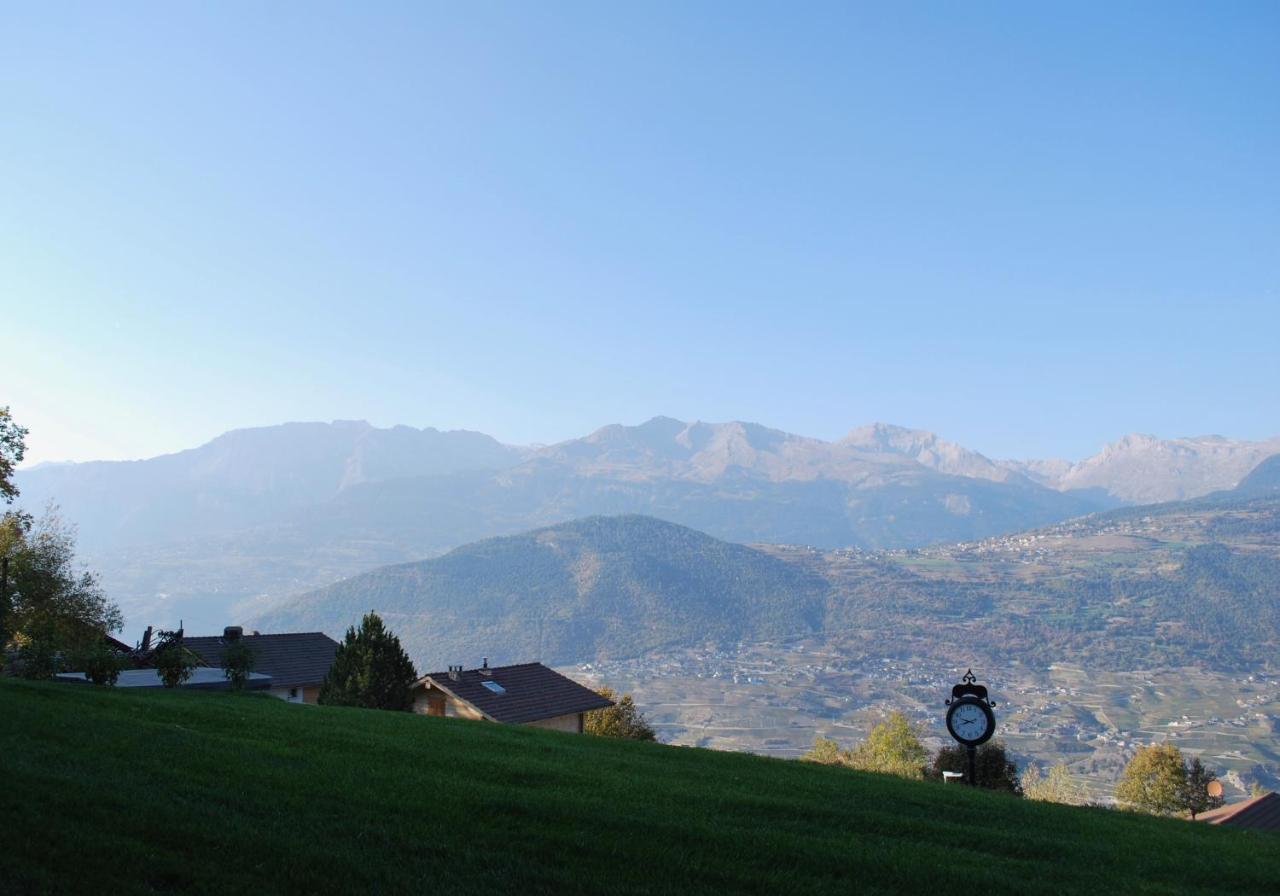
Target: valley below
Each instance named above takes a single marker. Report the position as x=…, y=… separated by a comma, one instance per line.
x=751, y=588
x=1096, y=635
x=775, y=698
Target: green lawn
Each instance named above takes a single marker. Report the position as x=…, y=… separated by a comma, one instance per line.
x=129, y=791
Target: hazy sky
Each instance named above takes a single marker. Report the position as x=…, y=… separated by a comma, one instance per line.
x=1028, y=229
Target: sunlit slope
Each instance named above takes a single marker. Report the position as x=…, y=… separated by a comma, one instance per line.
x=131, y=792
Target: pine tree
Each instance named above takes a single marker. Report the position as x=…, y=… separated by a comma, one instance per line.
x=1196, y=797
x=370, y=670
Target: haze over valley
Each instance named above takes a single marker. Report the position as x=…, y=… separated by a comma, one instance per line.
x=751, y=379
x=260, y=514
x=732, y=575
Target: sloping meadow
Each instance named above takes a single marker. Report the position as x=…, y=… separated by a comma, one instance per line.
x=137, y=792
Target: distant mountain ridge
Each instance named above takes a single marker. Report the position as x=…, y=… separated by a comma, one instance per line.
x=266, y=512
x=879, y=486
x=246, y=478
x=928, y=449
x=1144, y=469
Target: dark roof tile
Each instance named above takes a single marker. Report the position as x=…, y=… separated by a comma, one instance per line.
x=295, y=659
x=1261, y=813
x=532, y=692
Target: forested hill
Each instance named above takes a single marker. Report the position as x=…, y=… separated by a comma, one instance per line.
x=595, y=587
x=1186, y=583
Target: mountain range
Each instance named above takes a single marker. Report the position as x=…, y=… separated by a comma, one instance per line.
x=263, y=513
x=1142, y=469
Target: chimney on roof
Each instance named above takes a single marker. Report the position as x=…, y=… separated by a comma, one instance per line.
x=146, y=640
x=455, y=672
x=485, y=670
x=232, y=633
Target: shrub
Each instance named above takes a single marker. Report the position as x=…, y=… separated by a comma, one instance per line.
x=237, y=663
x=995, y=770
x=622, y=719
x=101, y=664
x=173, y=661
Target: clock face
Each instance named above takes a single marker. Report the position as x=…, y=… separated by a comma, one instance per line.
x=969, y=722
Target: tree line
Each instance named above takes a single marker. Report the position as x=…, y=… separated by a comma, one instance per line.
x=1158, y=780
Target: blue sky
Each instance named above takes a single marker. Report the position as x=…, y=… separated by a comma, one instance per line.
x=1030, y=229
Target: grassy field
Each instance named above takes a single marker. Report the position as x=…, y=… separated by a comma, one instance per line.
x=135, y=792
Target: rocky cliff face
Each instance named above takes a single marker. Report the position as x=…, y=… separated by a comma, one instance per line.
x=1143, y=469
x=927, y=449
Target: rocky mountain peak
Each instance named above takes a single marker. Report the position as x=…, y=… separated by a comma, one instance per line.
x=927, y=449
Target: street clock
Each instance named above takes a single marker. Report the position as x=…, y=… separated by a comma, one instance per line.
x=969, y=717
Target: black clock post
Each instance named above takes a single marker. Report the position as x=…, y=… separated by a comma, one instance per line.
x=970, y=719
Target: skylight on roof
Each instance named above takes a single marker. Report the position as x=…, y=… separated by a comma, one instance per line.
x=494, y=686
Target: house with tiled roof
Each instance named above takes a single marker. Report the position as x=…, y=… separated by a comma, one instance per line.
x=525, y=694
x=297, y=662
x=1261, y=813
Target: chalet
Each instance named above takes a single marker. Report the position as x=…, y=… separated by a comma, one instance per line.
x=526, y=694
x=297, y=662
x=1261, y=813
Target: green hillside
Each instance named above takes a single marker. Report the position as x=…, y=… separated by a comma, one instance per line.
x=596, y=587
x=136, y=792
x=1155, y=587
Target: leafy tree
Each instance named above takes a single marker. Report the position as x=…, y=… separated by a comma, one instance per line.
x=1054, y=786
x=37, y=654
x=238, y=661
x=370, y=669
x=1196, y=798
x=622, y=719
x=173, y=661
x=12, y=447
x=49, y=609
x=893, y=747
x=1154, y=781
x=827, y=752
x=995, y=770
